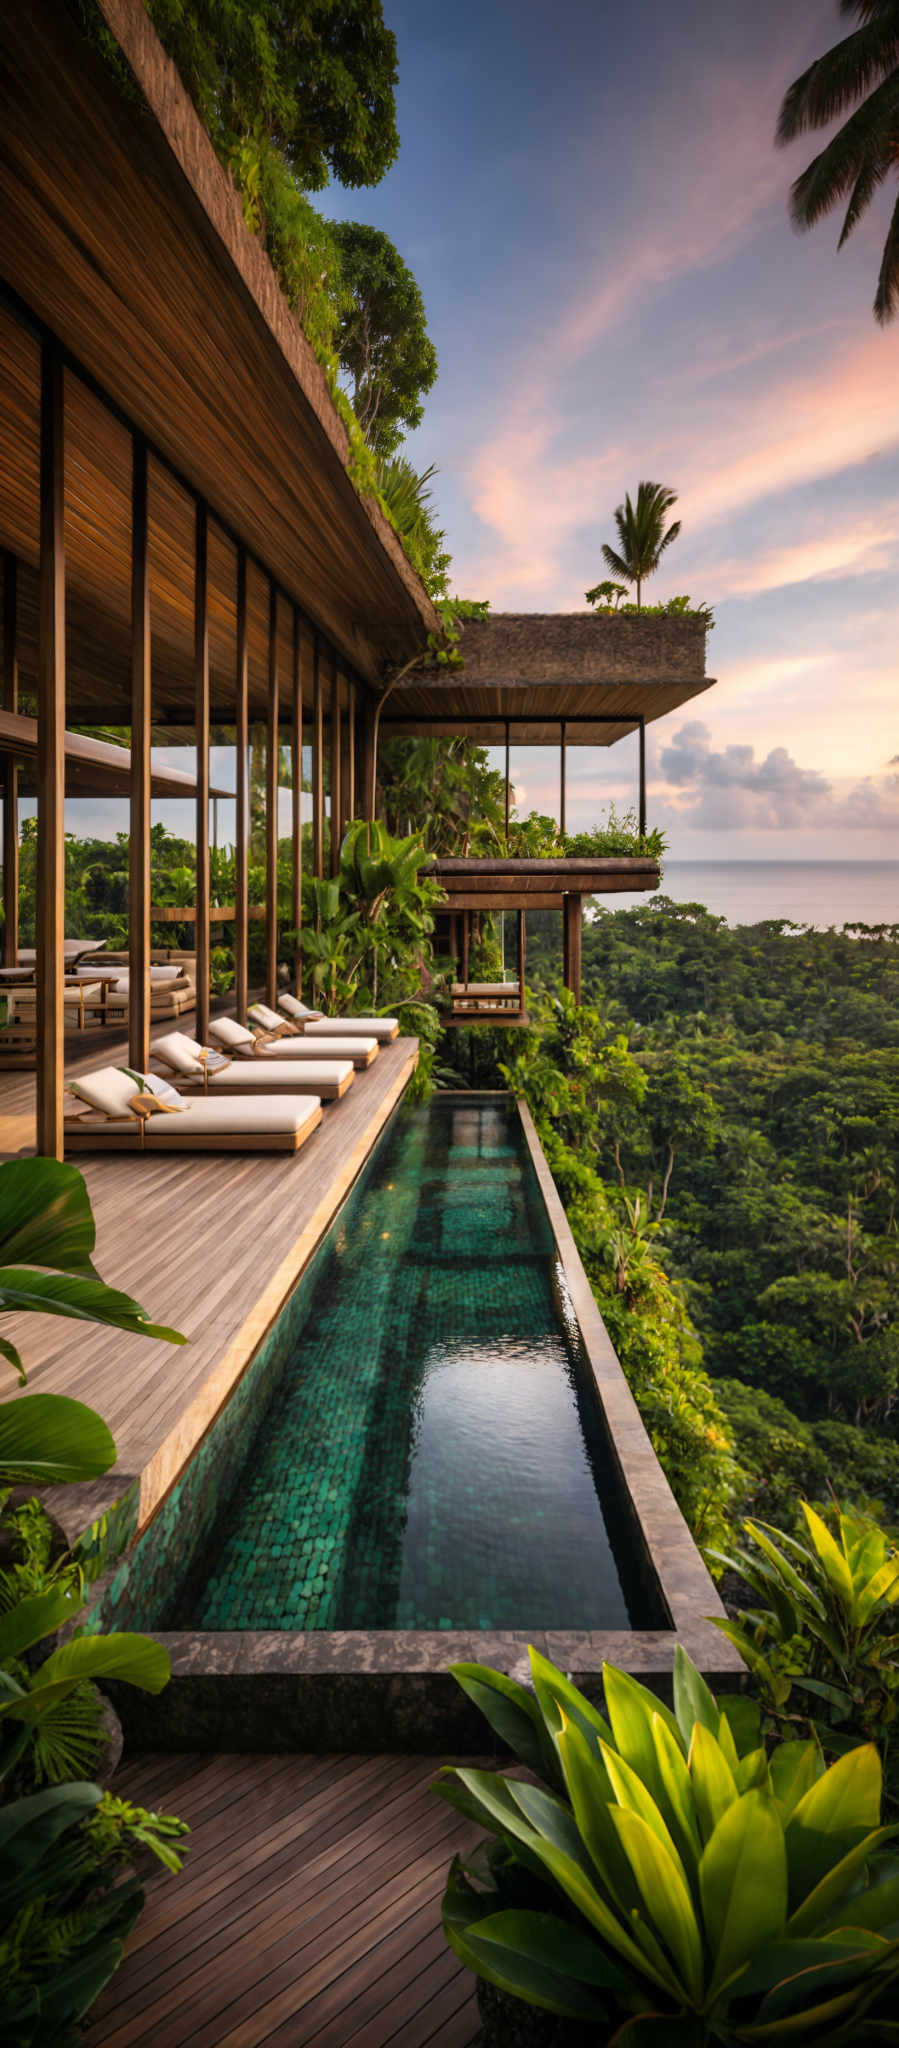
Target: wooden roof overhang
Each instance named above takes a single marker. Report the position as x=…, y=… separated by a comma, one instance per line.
x=598, y=677
x=93, y=767
x=122, y=236
x=473, y=884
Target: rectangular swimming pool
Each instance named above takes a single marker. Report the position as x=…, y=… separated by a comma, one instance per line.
x=433, y=1455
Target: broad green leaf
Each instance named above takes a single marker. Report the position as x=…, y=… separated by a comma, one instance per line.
x=752, y=1772
x=547, y=1961
x=590, y=1791
x=743, y=1883
x=876, y=1907
x=883, y=1586
x=29, y=1827
x=45, y=1216
x=631, y=1794
x=744, y=1719
x=557, y=1696
x=666, y=1900
x=832, y=1816
x=133, y=1659
x=806, y=2025
x=679, y=1807
x=40, y=1615
x=631, y=1709
x=793, y=1768
x=9, y=1352
x=830, y=1554
x=692, y=1699
x=714, y=1787
x=823, y=1901
x=84, y=1300
x=513, y=1713
x=842, y=1974
x=785, y=1961
x=48, y=1439
x=785, y=1570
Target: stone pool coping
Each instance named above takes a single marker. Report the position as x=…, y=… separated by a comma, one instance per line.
x=391, y=1689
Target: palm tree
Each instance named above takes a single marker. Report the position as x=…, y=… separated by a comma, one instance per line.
x=641, y=536
x=863, y=68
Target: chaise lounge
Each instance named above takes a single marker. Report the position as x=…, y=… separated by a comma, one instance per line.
x=126, y=1112
x=261, y=1045
x=314, y=1025
x=200, y=1069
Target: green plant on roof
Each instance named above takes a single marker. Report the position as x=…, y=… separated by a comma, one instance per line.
x=823, y=1623
x=642, y=535
x=666, y=1877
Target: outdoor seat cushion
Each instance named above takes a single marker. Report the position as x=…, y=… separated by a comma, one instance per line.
x=267, y=1019
x=231, y=1034
x=297, y=1011
x=110, y=1090
x=379, y=1028
x=251, y=1076
x=216, y=1116
x=181, y=1053
x=301, y=1050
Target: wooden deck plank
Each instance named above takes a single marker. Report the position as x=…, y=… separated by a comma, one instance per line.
x=209, y=1244
x=325, y=1942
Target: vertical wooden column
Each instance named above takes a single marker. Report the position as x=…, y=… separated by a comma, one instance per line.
x=296, y=799
x=201, y=722
x=242, y=781
x=349, y=785
x=369, y=765
x=522, y=950
x=10, y=772
x=139, y=822
x=508, y=793
x=466, y=923
x=271, y=805
x=336, y=764
x=51, y=759
x=318, y=778
x=573, y=916
x=642, y=777
x=562, y=788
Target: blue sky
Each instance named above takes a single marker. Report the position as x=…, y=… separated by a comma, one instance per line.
x=592, y=204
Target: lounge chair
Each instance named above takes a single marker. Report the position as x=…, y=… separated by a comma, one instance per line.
x=314, y=1025
x=259, y=1045
x=123, y=1112
x=201, y=1070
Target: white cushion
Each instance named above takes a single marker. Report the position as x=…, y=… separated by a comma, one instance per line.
x=110, y=1090
x=230, y=1033
x=179, y=1052
x=353, y=1027
x=269, y=1019
x=292, y=1007
x=215, y=1116
x=300, y=1049
x=246, y=1076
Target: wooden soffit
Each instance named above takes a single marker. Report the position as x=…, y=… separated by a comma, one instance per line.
x=93, y=767
x=122, y=235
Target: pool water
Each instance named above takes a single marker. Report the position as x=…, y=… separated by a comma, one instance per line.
x=433, y=1456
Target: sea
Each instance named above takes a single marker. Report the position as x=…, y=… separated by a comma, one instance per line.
x=809, y=892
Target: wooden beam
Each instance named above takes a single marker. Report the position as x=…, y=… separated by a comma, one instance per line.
x=318, y=776
x=562, y=789
x=51, y=760
x=242, y=824
x=139, y=800
x=296, y=794
x=201, y=722
x=271, y=804
x=573, y=922
x=349, y=786
x=336, y=765
x=9, y=769
x=465, y=944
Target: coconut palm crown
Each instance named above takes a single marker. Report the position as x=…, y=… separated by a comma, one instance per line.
x=642, y=538
x=863, y=68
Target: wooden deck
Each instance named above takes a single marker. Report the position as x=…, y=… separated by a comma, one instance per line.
x=308, y=1911
x=209, y=1244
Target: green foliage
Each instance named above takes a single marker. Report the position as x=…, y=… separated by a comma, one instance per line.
x=860, y=73
x=642, y=535
x=671, y=607
x=67, y=1904
x=666, y=1874
x=822, y=1623
x=405, y=496
x=382, y=339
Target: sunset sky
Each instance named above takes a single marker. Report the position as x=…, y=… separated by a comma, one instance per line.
x=593, y=206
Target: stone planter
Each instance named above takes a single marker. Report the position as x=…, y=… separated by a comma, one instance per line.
x=508, y=2023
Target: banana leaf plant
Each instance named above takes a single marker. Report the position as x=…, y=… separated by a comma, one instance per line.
x=830, y=1604
x=46, y=1221
x=663, y=1878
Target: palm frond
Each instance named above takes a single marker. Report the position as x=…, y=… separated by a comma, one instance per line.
x=886, y=298
x=863, y=191
x=845, y=74
x=671, y=535
x=865, y=142
x=616, y=562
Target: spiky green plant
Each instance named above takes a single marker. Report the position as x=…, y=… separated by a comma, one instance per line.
x=642, y=534
x=862, y=73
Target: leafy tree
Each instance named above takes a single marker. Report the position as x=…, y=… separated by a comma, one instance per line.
x=382, y=338
x=862, y=73
x=642, y=536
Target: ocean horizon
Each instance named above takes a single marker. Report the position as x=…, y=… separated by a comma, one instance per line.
x=809, y=892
